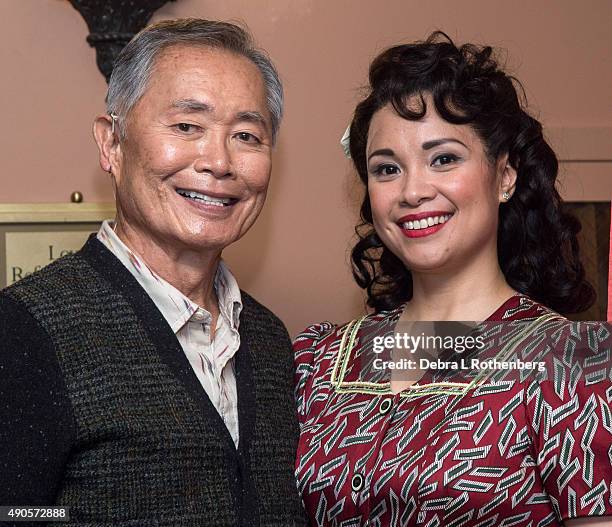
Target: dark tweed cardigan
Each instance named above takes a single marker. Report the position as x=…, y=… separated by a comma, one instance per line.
x=100, y=410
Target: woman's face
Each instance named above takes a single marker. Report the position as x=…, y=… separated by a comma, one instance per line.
x=434, y=193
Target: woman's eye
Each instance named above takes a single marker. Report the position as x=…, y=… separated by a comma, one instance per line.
x=247, y=137
x=386, y=170
x=444, y=159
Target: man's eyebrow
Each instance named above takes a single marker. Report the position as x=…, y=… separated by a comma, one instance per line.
x=381, y=152
x=428, y=145
x=192, y=105
x=252, y=117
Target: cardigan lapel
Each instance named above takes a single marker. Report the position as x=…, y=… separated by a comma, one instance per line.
x=245, y=385
x=168, y=346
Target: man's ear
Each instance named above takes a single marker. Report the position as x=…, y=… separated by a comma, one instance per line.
x=109, y=148
x=507, y=178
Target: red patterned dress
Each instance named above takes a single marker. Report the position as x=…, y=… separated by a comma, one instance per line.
x=521, y=452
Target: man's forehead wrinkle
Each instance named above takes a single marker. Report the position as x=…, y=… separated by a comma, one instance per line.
x=193, y=105
x=176, y=52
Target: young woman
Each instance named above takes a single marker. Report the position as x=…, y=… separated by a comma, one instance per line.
x=460, y=221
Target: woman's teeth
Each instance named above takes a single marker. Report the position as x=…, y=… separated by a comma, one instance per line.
x=219, y=202
x=425, y=222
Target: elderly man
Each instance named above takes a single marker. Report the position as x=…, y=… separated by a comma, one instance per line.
x=139, y=385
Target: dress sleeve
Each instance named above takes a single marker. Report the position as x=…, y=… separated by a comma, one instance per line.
x=36, y=419
x=570, y=414
x=305, y=348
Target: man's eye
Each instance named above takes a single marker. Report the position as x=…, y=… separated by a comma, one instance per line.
x=247, y=137
x=444, y=159
x=186, y=127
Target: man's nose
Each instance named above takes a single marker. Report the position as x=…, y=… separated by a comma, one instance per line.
x=214, y=156
x=416, y=188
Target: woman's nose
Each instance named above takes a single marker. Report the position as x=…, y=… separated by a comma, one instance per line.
x=416, y=188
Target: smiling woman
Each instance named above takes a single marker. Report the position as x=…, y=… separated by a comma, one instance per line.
x=468, y=99
x=461, y=221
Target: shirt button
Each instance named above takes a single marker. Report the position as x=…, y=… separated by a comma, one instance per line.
x=357, y=482
x=199, y=316
x=385, y=406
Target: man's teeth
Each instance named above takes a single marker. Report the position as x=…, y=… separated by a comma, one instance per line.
x=425, y=222
x=219, y=202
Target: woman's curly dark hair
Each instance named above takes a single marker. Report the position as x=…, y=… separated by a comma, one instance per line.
x=537, y=245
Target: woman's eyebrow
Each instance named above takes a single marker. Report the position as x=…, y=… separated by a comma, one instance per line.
x=381, y=152
x=428, y=145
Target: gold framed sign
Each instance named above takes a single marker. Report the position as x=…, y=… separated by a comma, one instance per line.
x=33, y=235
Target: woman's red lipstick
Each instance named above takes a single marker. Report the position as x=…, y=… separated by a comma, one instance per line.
x=406, y=222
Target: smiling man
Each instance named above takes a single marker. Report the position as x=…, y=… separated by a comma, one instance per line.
x=140, y=385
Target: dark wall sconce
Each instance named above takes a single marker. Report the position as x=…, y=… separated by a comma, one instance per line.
x=112, y=24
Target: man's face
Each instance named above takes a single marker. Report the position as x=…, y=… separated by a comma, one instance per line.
x=194, y=167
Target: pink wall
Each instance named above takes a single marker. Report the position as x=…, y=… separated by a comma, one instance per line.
x=294, y=259
x=610, y=280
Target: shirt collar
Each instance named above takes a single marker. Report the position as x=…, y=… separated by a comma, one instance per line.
x=175, y=307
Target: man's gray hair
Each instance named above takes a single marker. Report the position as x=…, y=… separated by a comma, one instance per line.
x=135, y=63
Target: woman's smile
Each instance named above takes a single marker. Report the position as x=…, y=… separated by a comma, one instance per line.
x=423, y=224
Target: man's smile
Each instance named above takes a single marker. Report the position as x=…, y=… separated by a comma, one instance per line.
x=208, y=199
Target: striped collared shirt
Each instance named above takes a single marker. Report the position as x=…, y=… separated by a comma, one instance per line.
x=211, y=360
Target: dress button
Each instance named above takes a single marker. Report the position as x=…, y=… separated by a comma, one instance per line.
x=385, y=406
x=357, y=482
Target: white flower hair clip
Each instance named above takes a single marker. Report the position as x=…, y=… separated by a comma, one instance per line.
x=346, y=142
